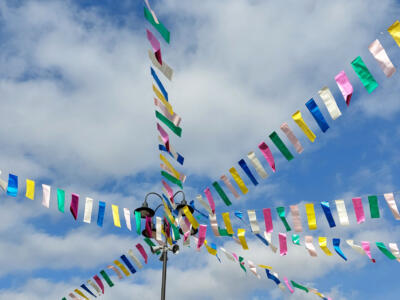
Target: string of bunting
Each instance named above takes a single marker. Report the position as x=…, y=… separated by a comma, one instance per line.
x=346, y=89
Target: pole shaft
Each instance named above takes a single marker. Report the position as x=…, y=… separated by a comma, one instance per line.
x=164, y=273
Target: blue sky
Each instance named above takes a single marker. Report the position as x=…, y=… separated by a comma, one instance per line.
x=77, y=113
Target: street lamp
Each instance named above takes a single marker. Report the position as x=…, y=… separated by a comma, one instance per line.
x=145, y=211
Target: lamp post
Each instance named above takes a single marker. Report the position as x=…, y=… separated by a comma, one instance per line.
x=145, y=211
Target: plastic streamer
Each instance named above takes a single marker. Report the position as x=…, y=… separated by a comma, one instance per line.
x=170, y=168
x=342, y=213
x=355, y=247
x=142, y=251
x=257, y=165
x=330, y=102
x=158, y=229
x=268, y=237
x=253, y=221
x=135, y=259
x=389, y=197
x=106, y=278
x=100, y=216
x=379, y=53
x=272, y=276
x=373, y=206
x=322, y=241
x=116, y=271
x=95, y=286
x=221, y=193
x=227, y=254
x=303, y=126
x=294, y=210
x=12, y=187
x=299, y=286
x=292, y=138
x=46, y=195
x=155, y=44
x=166, y=111
x=309, y=245
x=88, y=210
x=241, y=232
x=281, y=146
x=74, y=205
x=99, y=282
x=288, y=285
x=312, y=222
x=87, y=290
x=384, y=250
x=204, y=203
x=210, y=199
x=127, y=215
x=30, y=189
x=202, y=235
x=253, y=269
x=359, y=210
x=239, y=181
x=171, y=178
x=81, y=294
x=367, y=249
x=345, y=86
x=122, y=267
x=128, y=264
x=281, y=213
x=246, y=169
x=268, y=220
x=328, y=214
x=317, y=115
x=190, y=217
x=164, y=68
x=364, y=74
x=115, y=211
x=72, y=296
x=241, y=263
x=336, y=246
x=227, y=222
x=267, y=154
x=214, y=224
x=395, y=250
x=160, y=86
x=61, y=200
x=175, y=129
x=394, y=31
x=296, y=239
x=157, y=24
x=229, y=185
x=282, y=244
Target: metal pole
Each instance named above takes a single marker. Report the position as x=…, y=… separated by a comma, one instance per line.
x=164, y=272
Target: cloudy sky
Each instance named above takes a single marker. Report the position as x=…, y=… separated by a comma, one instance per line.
x=77, y=113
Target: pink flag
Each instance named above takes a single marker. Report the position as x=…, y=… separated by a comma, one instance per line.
x=345, y=86
x=74, y=205
x=267, y=154
x=268, y=220
x=164, y=136
x=99, y=282
x=367, y=249
x=202, y=235
x=288, y=285
x=210, y=199
x=359, y=210
x=155, y=44
x=282, y=244
x=142, y=252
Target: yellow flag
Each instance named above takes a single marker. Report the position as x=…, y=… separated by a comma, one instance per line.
x=303, y=126
x=190, y=217
x=210, y=250
x=227, y=222
x=122, y=267
x=312, y=222
x=30, y=189
x=242, y=239
x=394, y=31
x=238, y=180
x=162, y=99
x=170, y=167
x=323, y=244
x=115, y=212
x=81, y=294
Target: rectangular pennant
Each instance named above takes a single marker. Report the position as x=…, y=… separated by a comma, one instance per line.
x=364, y=74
